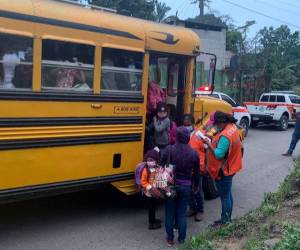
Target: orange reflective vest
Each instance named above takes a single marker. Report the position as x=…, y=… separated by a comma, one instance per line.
x=197, y=144
x=232, y=162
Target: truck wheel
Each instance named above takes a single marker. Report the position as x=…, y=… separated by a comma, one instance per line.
x=254, y=124
x=283, y=123
x=209, y=188
x=244, y=123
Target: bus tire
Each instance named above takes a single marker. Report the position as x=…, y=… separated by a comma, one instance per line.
x=209, y=188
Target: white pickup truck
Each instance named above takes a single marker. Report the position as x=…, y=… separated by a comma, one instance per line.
x=277, y=108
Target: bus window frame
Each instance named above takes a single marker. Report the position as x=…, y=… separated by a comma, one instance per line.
x=108, y=92
x=67, y=90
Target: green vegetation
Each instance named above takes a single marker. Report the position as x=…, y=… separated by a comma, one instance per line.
x=149, y=10
x=258, y=225
x=290, y=240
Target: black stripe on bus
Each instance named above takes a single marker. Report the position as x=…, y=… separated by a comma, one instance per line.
x=68, y=121
x=67, y=141
x=66, y=24
x=69, y=97
x=56, y=187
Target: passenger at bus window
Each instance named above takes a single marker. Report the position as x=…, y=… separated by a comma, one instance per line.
x=133, y=79
x=23, y=73
x=9, y=62
x=66, y=77
x=108, y=77
x=23, y=76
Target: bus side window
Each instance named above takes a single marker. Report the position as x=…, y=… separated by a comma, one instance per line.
x=67, y=66
x=121, y=70
x=15, y=62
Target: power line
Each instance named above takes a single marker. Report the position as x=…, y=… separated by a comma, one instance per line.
x=183, y=10
x=279, y=7
x=290, y=4
x=262, y=14
x=194, y=11
x=181, y=6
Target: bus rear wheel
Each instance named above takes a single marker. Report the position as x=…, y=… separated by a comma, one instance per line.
x=209, y=188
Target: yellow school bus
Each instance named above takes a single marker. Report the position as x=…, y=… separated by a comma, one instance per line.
x=73, y=93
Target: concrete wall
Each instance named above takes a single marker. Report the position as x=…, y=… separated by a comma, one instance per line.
x=214, y=42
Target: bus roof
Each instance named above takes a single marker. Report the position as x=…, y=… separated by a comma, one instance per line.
x=59, y=19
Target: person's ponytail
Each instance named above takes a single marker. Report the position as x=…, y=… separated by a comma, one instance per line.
x=231, y=118
x=221, y=117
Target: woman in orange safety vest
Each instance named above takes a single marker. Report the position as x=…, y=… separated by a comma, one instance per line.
x=224, y=161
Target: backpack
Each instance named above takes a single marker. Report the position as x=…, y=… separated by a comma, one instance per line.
x=138, y=175
x=172, y=133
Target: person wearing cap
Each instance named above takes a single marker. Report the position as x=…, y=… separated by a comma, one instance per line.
x=224, y=161
x=186, y=172
x=151, y=159
x=161, y=125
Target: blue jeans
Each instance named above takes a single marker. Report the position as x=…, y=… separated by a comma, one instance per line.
x=295, y=139
x=177, y=208
x=197, y=200
x=224, y=187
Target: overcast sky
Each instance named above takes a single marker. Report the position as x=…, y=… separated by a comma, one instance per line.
x=280, y=11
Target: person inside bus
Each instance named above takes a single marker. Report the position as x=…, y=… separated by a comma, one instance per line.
x=9, y=62
x=67, y=77
x=196, y=203
x=186, y=171
x=151, y=158
x=224, y=161
x=23, y=73
x=108, y=81
x=160, y=126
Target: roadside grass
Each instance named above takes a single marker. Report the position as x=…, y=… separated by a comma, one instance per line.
x=255, y=223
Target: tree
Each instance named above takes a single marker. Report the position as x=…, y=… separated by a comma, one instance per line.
x=211, y=19
x=202, y=4
x=161, y=11
x=279, y=56
x=149, y=10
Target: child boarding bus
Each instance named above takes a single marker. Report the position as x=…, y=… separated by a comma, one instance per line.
x=73, y=93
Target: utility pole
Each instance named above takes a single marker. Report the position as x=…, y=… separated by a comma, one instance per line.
x=201, y=7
